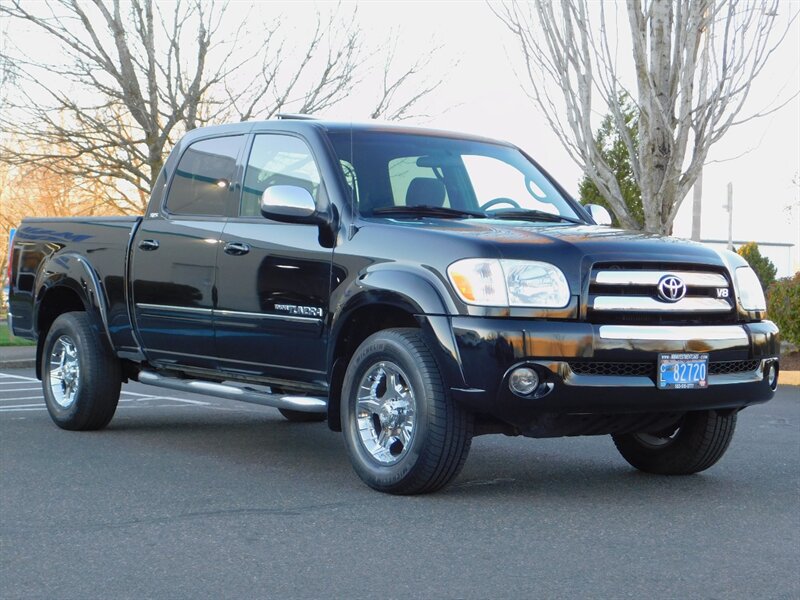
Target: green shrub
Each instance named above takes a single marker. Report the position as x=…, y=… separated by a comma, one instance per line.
x=783, y=307
x=763, y=266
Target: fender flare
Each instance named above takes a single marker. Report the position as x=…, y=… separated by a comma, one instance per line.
x=415, y=291
x=73, y=271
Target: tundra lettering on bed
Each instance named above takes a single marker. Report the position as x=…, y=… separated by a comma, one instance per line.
x=414, y=288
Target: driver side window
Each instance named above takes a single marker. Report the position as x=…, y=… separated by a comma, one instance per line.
x=277, y=160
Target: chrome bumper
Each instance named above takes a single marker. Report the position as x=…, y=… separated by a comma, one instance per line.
x=674, y=333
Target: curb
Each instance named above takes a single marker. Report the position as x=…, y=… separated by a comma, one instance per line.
x=18, y=363
x=17, y=357
x=789, y=378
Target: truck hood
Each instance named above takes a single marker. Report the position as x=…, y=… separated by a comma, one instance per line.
x=567, y=246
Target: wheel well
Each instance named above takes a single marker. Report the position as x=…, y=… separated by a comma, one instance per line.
x=56, y=302
x=361, y=324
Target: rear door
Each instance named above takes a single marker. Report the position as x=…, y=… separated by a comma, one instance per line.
x=273, y=278
x=175, y=253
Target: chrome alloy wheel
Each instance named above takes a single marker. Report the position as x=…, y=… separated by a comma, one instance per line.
x=385, y=412
x=65, y=371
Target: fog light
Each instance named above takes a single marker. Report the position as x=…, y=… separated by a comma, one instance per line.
x=523, y=381
x=772, y=375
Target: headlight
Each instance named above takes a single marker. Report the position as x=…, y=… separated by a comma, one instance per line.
x=492, y=282
x=748, y=287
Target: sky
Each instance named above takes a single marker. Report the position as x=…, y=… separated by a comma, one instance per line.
x=482, y=94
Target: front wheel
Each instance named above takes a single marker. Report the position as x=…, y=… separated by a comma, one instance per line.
x=697, y=442
x=403, y=431
x=81, y=377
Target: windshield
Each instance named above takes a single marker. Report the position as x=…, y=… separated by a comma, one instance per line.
x=386, y=171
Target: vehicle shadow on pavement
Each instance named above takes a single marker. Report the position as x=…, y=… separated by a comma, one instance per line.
x=574, y=471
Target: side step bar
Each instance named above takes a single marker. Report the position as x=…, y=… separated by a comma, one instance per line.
x=307, y=404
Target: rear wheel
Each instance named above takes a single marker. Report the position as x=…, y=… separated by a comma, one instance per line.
x=403, y=431
x=699, y=440
x=81, y=377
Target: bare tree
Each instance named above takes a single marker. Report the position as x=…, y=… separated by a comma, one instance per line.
x=135, y=75
x=393, y=104
x=694, y=63
x=36, y=191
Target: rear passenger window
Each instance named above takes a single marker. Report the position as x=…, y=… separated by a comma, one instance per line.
x=201, y=184
x=277, y=160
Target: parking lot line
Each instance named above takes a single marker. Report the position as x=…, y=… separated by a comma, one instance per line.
x=22, y=380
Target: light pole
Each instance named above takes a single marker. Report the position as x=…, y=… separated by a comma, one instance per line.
x=729, y=208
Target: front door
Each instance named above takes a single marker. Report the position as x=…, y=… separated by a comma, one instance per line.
x=273, y=278
x=175, y=254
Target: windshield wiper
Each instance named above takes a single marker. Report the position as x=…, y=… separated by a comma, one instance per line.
x=532, y=215
x=424, y=210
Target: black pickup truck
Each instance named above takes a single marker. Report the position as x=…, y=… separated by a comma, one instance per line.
x=413, y=287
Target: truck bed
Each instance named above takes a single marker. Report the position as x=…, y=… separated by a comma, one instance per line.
x=92, y=249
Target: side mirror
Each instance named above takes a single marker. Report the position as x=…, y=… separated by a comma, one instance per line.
x=599, y=214
x=290, y=204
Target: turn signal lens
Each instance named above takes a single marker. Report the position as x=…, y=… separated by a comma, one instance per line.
x=479, y=281
x=493, y=282
x=751, y=296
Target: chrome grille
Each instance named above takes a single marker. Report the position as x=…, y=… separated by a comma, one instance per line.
x=628, y=293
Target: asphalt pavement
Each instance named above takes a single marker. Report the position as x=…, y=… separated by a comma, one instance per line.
x=186, y=496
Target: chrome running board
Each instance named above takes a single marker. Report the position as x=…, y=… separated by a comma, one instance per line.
x=307, y=404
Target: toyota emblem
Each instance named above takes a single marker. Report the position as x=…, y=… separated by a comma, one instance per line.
x=671, y=288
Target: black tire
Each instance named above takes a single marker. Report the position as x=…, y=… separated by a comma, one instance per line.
x=100, y=375
x=296, y=416
x=699, y=441
x=442, y=430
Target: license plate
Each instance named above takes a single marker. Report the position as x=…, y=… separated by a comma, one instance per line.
x=682, y=371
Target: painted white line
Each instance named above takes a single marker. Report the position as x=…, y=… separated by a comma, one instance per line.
x=7, y=376
x=25, y=389
x=153, y=397
x=149, y=396
x=14, y=382
x=17, y=399
x=141, y=399
x=23, y=407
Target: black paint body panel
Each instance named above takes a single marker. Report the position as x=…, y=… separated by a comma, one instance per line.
x=189, y=305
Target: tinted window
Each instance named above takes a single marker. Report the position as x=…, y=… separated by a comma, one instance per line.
x=277, y=160
x=201, y=184
x=402, y=172
x=397, y=169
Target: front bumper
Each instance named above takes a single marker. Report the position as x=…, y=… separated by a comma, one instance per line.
x=488, y=349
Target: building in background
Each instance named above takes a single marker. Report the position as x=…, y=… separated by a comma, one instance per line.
x=781, y=254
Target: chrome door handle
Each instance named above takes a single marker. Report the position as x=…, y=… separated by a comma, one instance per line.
x=148, y=245
x=236, y=248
